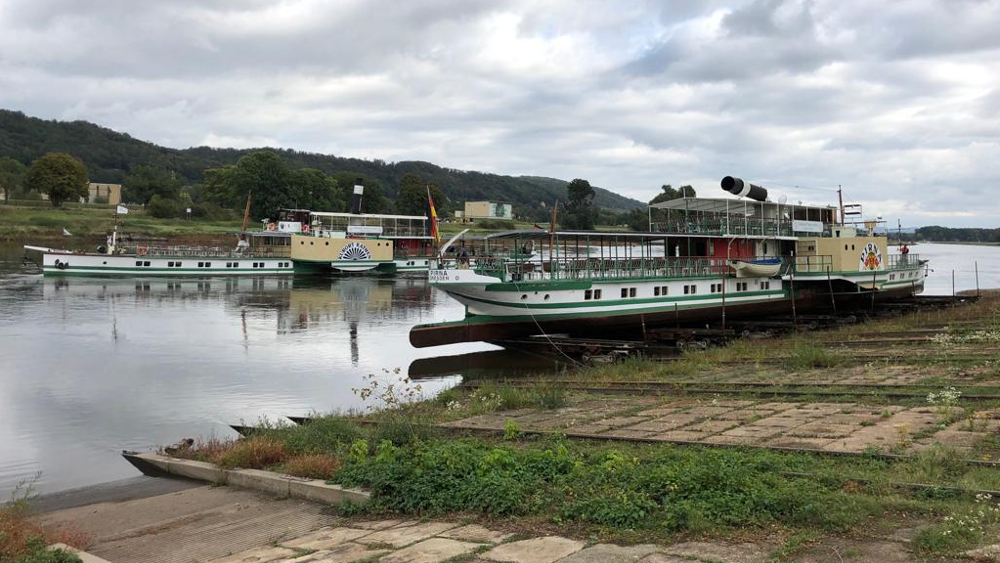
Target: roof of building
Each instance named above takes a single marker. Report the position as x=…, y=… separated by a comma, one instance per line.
x=726, y=205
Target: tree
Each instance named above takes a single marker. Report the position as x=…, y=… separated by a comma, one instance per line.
x=60, y=176
x=321, y=191
x=263, y=174
x=147, y=181
x=12, y=174
x=580, y=210
x=374, y=200
x=412, y=197
x=670, y=193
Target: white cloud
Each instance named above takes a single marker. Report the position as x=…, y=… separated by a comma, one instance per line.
x=894, y=103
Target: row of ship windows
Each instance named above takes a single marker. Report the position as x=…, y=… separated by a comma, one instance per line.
x=903, y=276
x=660, y=290
x=145, y=264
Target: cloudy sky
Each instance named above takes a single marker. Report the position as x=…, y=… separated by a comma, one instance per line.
x=897, y=101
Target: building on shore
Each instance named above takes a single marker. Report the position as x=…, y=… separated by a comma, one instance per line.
x=98, y=193
x=485, y=210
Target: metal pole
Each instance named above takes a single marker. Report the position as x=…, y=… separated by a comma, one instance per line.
x=791, y=281
x=953, y=283
x=977, y=278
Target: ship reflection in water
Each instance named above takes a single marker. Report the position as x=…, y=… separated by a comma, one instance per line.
x=93, y=366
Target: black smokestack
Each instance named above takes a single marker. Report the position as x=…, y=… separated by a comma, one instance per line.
x=738, y=187
x=359, y=191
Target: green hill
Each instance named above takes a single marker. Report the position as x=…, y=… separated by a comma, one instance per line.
x=110, y=156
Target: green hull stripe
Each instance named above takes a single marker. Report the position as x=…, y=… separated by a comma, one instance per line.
x=668, y=302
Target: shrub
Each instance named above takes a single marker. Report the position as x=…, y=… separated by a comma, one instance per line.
x=24, y=541
x=255, y=452
x=314, y=466
x=806, y=355
x=327, y=434
x=163, y=208
x=550, y=397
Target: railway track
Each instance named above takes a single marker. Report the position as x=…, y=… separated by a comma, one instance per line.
x=756, y=389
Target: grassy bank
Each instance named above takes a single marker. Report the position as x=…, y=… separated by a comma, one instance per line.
x=38, y=223
x=23, y=540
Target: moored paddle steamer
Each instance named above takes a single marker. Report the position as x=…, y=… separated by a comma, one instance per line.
x=703, y=260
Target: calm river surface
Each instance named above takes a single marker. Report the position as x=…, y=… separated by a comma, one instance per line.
x=89, y=367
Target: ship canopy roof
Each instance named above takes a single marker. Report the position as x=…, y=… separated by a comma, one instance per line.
x=727, y=205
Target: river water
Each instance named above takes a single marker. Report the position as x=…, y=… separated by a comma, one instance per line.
x=89, y=367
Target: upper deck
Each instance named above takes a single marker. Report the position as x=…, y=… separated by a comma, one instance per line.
x=369, y=224
x=728, y=217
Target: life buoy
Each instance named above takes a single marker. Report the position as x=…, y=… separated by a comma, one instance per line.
x=141, y=250
x=62, y=265
x=305, y=228
x=272, y=227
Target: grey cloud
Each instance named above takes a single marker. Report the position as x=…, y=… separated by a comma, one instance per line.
x=894, y=103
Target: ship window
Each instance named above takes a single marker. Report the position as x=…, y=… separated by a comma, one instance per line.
x=845, y=247
x=687, y=289
x=302, y=242
x=631, y=292
x=588, y=295
x=328, y=243
x=597, y=294
x=765, y=248
x=170, y=264
x=546, y=296
x=229, y=264
x=624, y=292
x=694, y=289
x=146, y=263
x=664, y=290
x=236, y=264
x=138, y=262
x=852, y=247
x=208, y=264
x=656, y=290
x=524, y=296
x=178, y=265
x=201, y=264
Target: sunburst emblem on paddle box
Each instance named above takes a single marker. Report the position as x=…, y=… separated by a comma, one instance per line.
x=355, y=251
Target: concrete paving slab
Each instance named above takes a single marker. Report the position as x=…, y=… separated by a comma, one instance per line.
x=433, y=550
x=664, y=558
x=608, y=553
x=475, y=533
x=343, y=553
x=261, y=554
x=536, y=550
x=402, y=536
x=709, y=551
x=378, y=524
x=197, y=524
x=326, y=538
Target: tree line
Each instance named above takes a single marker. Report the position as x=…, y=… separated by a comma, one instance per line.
x=263, y=177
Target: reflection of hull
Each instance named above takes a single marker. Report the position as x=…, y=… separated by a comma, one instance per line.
x=67, y=263
x=78, y=287
x=505, y=362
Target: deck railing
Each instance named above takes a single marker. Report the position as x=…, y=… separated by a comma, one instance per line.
x=204, y=251
x=813, y=264
x=721, y=227
x=601, y=269
x=903, y=261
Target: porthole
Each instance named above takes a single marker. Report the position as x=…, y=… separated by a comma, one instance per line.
x=524, y=296
x=546, y=296
x=328, y=243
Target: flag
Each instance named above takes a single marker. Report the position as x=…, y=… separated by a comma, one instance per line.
x=121, y=210
x=434, y=218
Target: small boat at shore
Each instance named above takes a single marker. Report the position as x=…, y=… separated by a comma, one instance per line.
x=760, y=268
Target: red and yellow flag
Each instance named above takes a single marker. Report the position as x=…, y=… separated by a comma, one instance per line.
x=434, y=218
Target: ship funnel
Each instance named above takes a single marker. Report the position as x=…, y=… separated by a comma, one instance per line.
x=359, y=191
x=738, y=187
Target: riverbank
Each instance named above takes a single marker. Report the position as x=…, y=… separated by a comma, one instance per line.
x=874, y=433
x=45, y=224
